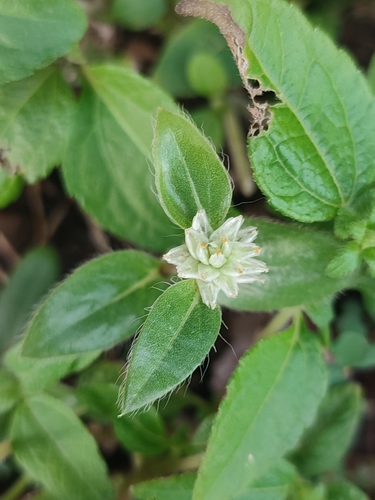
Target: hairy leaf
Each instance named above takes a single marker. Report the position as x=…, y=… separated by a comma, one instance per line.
x=176, y=337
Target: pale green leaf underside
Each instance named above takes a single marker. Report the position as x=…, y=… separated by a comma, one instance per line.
x=296, y=258
x=35, y=120
x=53, y=446
x=99, y=305
x=282, y=376
x=176, y=337
x=35, y=33
x=109, y=156
x=320, y=147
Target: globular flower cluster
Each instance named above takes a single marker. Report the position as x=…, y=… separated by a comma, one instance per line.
x=220, y=259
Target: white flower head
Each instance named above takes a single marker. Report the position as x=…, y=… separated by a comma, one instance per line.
x=218, y=260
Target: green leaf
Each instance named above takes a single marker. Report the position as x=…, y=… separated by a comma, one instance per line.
x=369, y=256
x=51, y=443
x=37, y=374
x=189, y=174
x=283, y=375
x=350, y=348
x=176, y=337
x=198, y=36
x=343, y=490
x=34, y=276
x=206, y=75
x=171, y=488
x=317, y=152
x=108, y=156
x=36, y=33
x=10, y=391
x=35, y=119
x=345, y=261
x=10, y=186
x=325, y=443
x=371, y=74
x=98, y=306
x=274, y=485
x=297, y=258
x=210, y=123
x=137, y=15
x=144, y=433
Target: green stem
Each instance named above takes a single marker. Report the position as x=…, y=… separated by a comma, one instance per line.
x=237, y=147
x=17, y=489
x=278, y=321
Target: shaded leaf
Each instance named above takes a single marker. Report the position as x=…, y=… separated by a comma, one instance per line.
x=325, y=443
x=35, y=119
x=32, y=279
x=34, y=34
x=44, y=427
x=108, y=156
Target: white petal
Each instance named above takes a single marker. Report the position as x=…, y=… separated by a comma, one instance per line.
x=247, y=234
x=201, y=223
x=177, y=255
x=249, y=278
x=217, y=259
x=209, y=293
x=202, y=253
x=189, y=269
x=207, y=273
x=228, y=230
x=228, y=285
x=194, y=239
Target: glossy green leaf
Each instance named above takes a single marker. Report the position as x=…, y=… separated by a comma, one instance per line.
x=343, y=490
x=98, y=306
x=206, y=75
x=189, y=174
x=176, y=337
x=137, y=15
x=283, y=375
x=144, y=433
x=171, y=488
x=171, y=69
x=10, y=187
x=35, y=119
x=10, y=391
x=37, y=374
x=32, y=279
x=108, y=156
x=51, y=443
x=318, y=150
x=325, y=443
x=297, y=258
x=35, y=33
